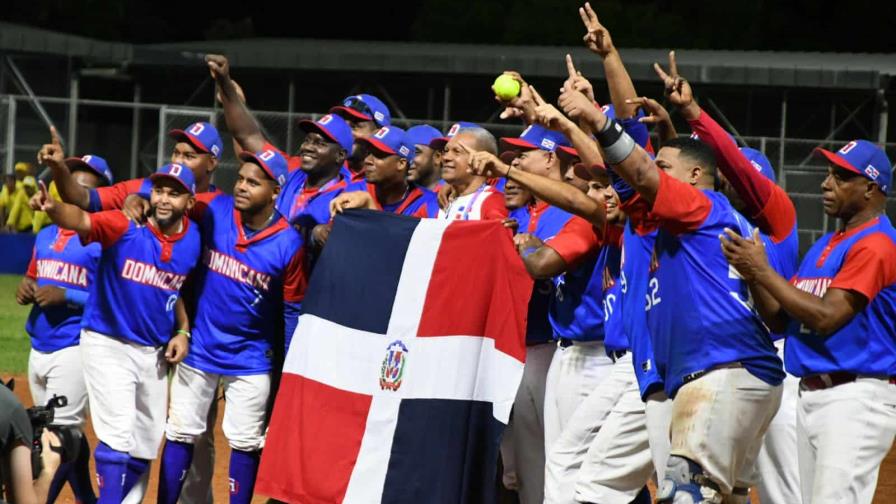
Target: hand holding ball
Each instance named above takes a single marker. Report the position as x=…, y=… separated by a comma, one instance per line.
x=506, y=87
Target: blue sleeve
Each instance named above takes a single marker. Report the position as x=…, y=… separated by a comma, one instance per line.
x=636, y=130
x=291, y=313
x=76, y=297
x=623, y=189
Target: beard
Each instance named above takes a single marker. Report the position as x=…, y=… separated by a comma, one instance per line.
x=167, y=221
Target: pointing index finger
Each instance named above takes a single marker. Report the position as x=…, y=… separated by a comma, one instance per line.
x=55, y=136
x=662, y=74
x=673, y=67
x=570, y=67
x=465, y=147
x=591, y=14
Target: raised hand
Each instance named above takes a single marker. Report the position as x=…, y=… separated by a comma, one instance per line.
x=596, y=38
x=485, y=164
x=41, y=200
x=657, y=115
x=676, y=87
x=522, y=106
x=547, y=115
x=52, y=154
x=577, y=106
x=578, y=82
x=218, y=66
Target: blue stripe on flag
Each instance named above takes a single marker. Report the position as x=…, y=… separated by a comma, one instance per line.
x=355, y=279
x=443, y=451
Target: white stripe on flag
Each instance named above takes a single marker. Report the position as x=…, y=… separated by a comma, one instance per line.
x=369, y=473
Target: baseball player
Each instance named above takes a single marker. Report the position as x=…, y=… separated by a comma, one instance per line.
x=385, y=186
x=129, y=332
x=56, y=283
x=198, y=147
x=838, y=312
x=425, y=168
x=707, y=306
x=517, y=199
x=476, y=199
x=747, y=178
x=365, y=114
x=253, y=263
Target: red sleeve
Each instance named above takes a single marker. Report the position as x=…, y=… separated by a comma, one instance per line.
x=32, y=266
x=576, y=240
x=112, y=197
x=493, y=207
x=203, y=200
x=107, y=227
x=295, y=281
x=637, y=209
x=766, y=203
x=680, y=207
x=778, y=217
x=869, y=266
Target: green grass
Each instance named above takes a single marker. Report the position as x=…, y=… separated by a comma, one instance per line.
x=14, y=344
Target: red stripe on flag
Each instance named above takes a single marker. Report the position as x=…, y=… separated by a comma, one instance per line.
x=312, y=442
x=479, y=287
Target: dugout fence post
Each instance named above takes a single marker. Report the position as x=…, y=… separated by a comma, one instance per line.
x=10, y=134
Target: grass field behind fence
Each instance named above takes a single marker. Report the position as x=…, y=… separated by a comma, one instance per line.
x=13, y=340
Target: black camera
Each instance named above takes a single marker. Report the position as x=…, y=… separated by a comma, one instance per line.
x=42, y=418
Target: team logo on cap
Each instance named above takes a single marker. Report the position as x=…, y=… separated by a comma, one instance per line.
x=605, y=109
x=175, y=170
x=196, y=129
x=325, y=119
x=548, y=143
x=872, y=172
x=454, y=128
x=266, y=155
x=392, y=370
x=215, y=150
x=848, y=147
x=404, y=151
x=381, y=133
x=378, y=115
x=756, y=165
x=86, y=158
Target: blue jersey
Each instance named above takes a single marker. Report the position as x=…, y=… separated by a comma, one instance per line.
x=258, y=280
x=307, y=207
x=60, y=259
x=698, y=308
x=576, y=310
x=862, y=260
x=637, y=248
x=783, y=256
x=138, y=279
x=521, y=215
x=418, y=202
x=615, y=339
x=543, y=222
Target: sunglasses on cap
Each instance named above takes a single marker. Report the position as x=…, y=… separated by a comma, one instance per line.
x=358, y=105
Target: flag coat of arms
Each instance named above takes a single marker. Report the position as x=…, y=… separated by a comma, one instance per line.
x=403, y=369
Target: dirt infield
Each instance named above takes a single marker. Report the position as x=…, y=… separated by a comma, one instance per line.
x=886, y=486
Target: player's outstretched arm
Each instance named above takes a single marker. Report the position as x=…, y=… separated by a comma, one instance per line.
x=53, y=157
x=63, y=214
x=548, y=116
x=779, y=300
x=597, y=39
x=554, y=192
x=239, y=119
x=540, y=261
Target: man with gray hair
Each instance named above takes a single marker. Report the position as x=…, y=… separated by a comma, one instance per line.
x=475, y=200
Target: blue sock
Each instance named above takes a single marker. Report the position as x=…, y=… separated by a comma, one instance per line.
x=79, y=475
x=243, y=467
x=176, y=460
x=111, y=467
x=643, y=496
x=136, y=468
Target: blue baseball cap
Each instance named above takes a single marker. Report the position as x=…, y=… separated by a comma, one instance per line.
x=201, y=135
x=422, y=135
x=760, y=162
x=333, y=127
x=272, y=162
x=390, y=140
x=864, y=158
x=92, y=163
x=439, y=143
x=536, y=137
x=609, y=110
x=178, y=172
x=365, y=107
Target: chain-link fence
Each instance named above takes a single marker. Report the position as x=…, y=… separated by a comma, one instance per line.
x=133, y=138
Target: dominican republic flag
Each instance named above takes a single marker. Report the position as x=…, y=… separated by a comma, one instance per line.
x=404, y=366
